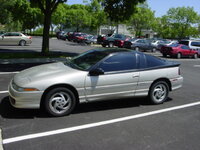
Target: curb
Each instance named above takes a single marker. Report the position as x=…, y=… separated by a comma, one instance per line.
x=1, y=141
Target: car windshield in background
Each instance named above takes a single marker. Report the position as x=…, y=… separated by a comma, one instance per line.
x=184, y=42
x=173, y=45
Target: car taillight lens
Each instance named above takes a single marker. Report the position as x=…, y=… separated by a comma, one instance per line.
x=30, y=37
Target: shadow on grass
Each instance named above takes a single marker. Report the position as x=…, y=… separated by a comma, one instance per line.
x=8, y=111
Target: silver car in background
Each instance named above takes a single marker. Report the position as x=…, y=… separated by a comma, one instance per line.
x=15, y=38
x=99, y=74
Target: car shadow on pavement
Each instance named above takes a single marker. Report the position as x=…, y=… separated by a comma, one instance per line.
x=8, y=111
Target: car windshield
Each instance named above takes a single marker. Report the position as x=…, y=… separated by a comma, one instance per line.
x=173, y=45
x=86, y=60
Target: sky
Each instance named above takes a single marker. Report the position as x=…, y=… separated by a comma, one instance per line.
x=161, y=6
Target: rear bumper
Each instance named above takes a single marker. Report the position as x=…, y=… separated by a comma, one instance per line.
x=176, y=83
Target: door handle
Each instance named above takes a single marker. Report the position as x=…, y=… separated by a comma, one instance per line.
x=135, y=75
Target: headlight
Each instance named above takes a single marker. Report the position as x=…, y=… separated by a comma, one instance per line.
x=21, y=89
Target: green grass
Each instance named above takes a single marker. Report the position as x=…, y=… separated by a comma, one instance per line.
x=9, y=55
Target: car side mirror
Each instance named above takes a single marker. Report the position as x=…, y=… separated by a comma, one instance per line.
x=96, y=72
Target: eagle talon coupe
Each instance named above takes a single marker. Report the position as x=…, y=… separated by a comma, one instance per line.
x=100, y=74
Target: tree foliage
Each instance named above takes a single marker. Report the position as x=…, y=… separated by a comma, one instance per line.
x=180, y=22
x=120, y=10
x=143, y=19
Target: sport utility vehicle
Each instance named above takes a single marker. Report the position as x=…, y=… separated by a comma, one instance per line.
x=193, y=44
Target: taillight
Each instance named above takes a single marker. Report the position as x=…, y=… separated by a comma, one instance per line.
x=30, y=37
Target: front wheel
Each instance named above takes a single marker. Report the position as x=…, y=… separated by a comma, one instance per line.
x=195, y=56
x=60, y=102
x=159, y=92
x=22, y=43
x=178, y=56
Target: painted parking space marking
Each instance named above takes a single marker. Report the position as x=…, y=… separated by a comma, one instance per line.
x=96, y=124
x=197, y=66
x=2, y=73
x=2, y=92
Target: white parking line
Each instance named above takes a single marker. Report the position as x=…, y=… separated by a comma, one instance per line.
x=1, y=144
x=196, y=65
x=2, y=73
x=91, y=125
x=2, y=92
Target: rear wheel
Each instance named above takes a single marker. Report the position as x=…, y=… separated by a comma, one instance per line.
x=60, y=102
x=158, y=92
x=110, y=44
x=137, y=48
x=178, y=55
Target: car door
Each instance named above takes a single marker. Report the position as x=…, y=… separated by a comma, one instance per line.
x=120, y=78
x=185, y=50
x=5, y=39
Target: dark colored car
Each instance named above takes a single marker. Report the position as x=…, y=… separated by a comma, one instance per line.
x=140, y=44
x=110, y=41
x=178, y=51
x=91, y=39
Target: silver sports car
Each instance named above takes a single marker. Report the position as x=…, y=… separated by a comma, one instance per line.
x=99, y=74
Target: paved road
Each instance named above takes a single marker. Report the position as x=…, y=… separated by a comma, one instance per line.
x=174, y=128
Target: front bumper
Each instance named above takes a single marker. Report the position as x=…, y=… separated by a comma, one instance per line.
x=29, y=100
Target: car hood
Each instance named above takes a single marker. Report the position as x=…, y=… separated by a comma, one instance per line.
x=41, y=72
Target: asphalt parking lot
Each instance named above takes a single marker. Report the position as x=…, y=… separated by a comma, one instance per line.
x=123, y=124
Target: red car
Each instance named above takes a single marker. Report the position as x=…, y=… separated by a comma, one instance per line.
x=178, y=51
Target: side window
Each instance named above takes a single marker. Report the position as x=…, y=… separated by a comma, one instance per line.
x=152, y=61
x=119, y=62
x=185, y=47
x=195, y=44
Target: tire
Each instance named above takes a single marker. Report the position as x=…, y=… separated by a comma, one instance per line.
x=59, y=102
x=164, y=55
x=103, y=45
x=22, y=43
x=158, y=92
x=137, y=48
x=178, y=56
x=110, y=44
x=153, y=50
x=195, y=56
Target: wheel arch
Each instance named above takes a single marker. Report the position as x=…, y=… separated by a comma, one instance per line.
x=68, y=86
x=165, y=80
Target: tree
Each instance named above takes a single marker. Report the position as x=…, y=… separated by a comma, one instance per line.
x=98, y=16
x=47, y=7
x=120, y=10
x=143, y=19
x=78, y=16
x=183, y=21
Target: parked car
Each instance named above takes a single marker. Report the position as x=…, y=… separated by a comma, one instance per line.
x=15, y=38
x=59, y=34
x=99, y=74
x=178, y=51
x=166, y=43
x=193, y=44
x=91, y=39
x=100, y=39
x=120, y=42
x=140, y=44
x=109, y=41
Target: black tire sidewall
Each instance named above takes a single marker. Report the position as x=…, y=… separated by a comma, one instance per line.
x=49, y=95
x=152, y=100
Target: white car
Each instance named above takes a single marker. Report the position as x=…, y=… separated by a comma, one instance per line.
x=15, y=38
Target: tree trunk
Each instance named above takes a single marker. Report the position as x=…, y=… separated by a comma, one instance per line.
x=45, y=41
